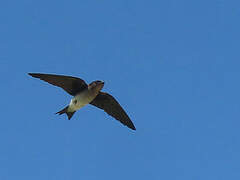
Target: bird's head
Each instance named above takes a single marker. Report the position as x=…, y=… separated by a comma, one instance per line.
x=96, y=85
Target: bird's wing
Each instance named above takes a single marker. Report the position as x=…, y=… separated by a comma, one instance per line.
x=72, y=85
x=110, y=105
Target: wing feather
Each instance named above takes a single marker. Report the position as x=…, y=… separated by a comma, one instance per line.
x=110, y=105
x=72, y=85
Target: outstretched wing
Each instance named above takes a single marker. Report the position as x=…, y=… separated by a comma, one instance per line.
x=110, y=105
x=72, y=85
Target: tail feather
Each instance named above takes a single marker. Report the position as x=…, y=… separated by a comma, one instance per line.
x=65, y=110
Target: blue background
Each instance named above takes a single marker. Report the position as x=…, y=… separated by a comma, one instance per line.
x=173, y=65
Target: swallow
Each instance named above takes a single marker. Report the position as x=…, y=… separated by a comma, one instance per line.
x=84, y=94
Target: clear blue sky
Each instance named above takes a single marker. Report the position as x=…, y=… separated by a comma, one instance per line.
x=173, y=65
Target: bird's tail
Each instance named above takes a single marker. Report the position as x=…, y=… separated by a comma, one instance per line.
x=65, y=110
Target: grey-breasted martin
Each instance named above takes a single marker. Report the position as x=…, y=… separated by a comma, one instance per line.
x=86, y=94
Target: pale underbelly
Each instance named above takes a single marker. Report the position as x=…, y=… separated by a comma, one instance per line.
x=80, y=100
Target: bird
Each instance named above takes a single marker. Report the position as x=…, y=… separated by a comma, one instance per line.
x=84, y=94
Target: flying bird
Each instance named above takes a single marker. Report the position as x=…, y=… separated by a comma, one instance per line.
x=84, y=94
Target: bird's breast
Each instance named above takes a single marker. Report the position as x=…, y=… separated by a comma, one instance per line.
x=81, y=100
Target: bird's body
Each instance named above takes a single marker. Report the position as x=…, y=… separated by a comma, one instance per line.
x=83, y=98
x=84, y=94
x=80, y=100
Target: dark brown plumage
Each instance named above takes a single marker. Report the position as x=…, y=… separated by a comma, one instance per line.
x=74, y=86
x=65, y=110
x=110, y=105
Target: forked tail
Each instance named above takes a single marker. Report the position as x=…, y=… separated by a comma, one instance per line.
x=65, y=110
